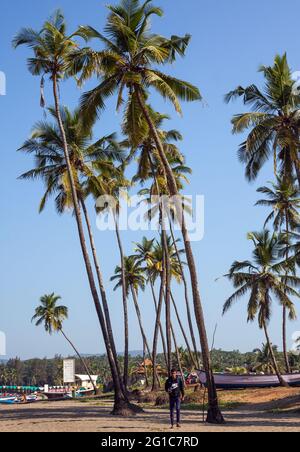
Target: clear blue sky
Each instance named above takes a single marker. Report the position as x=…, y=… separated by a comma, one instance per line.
x=40, y=253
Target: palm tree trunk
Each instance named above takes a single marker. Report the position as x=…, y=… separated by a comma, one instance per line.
x=139, y=316
x=167, y=295
x=274, y=361
x=125, y=306
x=101, y=286
x=81, y=360
x=214, y=414
x=178, y=356
x=160, y=326
x=145, y=366
x=186, y=295
x=193, y=361
x=156, y=329
x=284, y=309
x=285, y=352
x=168, y=268
x=121, y=400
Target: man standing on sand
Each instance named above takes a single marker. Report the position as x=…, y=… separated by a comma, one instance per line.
x=174, y=387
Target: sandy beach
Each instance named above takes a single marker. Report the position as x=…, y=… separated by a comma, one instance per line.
x=75, y=416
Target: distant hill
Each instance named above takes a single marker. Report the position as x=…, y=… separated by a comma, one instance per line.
x=133, y=354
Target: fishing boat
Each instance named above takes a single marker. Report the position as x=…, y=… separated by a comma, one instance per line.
x=229, y=381
x=58, y=394
x=11, y=400
x=63, y=394
x=7, y=400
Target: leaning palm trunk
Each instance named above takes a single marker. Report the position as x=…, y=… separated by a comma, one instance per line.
x=193, y=361
x=81, y=360
x=156, y=330
x=285, y=352
x=121, y=401
x=178, y=356
x=167, y=294
x=101, y=286
x=168, y=268
x=274, y=361
x=284, y=310
x=139, y=316
x=160, y=326
x=145, y=366
x=125, y=306
x=186, y=295
x=214, y=414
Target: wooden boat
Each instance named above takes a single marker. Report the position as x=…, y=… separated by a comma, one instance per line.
x=229, y=381
x=85, y=392
x=11, y=400
x=58, y=395
x=63, y=394
x=8, y=400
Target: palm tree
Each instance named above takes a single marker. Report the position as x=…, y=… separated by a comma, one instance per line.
x=52, y=49
x=167, y=208
x=109, y=185
x=86, y=160
x=273, y=122
x=52, y=316
x=263, y=278
x=143, y=255
x=155, y=272
x=264, y=359
x=284, y=199
x=135, y=280
x=127, y=63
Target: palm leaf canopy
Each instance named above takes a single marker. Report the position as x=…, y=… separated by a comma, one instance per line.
x=134, y=275
x=89, y=160
x=128, y=60
x=273, y=123
x=50, y=314
x=283, y=197
x=264, y=278
x=52, y=47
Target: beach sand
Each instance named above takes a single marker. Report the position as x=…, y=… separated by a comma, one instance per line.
x=72, y=416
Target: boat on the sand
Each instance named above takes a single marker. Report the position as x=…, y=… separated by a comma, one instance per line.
x=230, y=381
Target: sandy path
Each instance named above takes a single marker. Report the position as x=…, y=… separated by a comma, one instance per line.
x=80, y=417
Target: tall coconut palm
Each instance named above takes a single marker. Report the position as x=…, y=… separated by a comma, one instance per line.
x=52, y=316
x=128, y=62
x=52, y=49
x=265, y=278
x=155, y=171
x=273, y=122
x=143, y=255
x=166, y=209
x=88, y=160
x=284, y=199
x=264, y=360
x=109, y=186
x=135, y=281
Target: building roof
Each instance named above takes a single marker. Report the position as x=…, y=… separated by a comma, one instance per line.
x=87, y=378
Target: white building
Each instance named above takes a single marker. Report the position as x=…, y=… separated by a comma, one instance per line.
x=84, y=381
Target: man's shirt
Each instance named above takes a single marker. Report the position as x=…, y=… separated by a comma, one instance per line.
x=174, y=388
